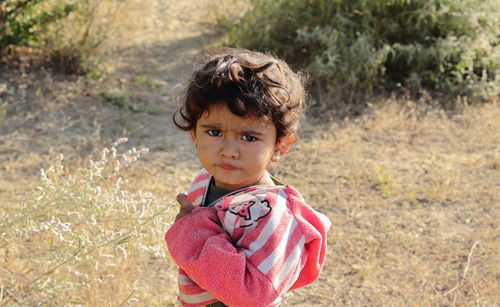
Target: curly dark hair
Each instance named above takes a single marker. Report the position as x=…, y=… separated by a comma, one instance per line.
x=249, y=83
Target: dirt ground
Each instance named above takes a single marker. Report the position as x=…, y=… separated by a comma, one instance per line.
x=412, y=190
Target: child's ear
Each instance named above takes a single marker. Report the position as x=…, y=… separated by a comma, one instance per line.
x=284, y=144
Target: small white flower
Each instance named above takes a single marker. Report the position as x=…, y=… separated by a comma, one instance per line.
x=43, y=176
x=103, y=279
x=125, y=255
x=74, y=213
x=132, y=300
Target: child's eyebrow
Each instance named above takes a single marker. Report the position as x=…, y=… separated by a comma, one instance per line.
x=247, y=131
x=209, y=126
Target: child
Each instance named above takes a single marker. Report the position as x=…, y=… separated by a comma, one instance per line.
x=242, y=238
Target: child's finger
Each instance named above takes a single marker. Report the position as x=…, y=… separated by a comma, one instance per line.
x=184, y=202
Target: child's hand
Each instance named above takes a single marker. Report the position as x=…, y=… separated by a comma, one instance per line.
x=186, y=206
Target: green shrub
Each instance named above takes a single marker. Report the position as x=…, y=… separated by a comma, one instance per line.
x=22, y=21
x=62, y=33
x=355, y=48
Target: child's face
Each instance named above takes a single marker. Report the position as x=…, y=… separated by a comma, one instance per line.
x=236, y=151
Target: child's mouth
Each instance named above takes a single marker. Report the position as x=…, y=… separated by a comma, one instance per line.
x=227, y=167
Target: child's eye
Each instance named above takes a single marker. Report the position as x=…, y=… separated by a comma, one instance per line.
x=214, y=132
x=249, y=138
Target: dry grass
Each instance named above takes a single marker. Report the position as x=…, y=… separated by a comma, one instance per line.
x=412, y=190
x=413, y=194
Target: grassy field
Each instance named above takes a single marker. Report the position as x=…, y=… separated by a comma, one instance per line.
x=412, y=189
x=413, y=193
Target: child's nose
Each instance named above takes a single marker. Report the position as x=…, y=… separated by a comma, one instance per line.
x=229, y=149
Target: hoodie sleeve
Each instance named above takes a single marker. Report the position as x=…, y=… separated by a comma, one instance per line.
x=246, y=252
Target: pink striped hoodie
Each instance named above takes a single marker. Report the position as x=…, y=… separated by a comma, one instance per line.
x=248, y=248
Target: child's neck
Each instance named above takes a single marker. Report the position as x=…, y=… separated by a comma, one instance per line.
x=266, y=179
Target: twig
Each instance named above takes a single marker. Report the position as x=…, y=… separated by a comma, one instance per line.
x=467, y=265
x=469, y=257
x=8, y=294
